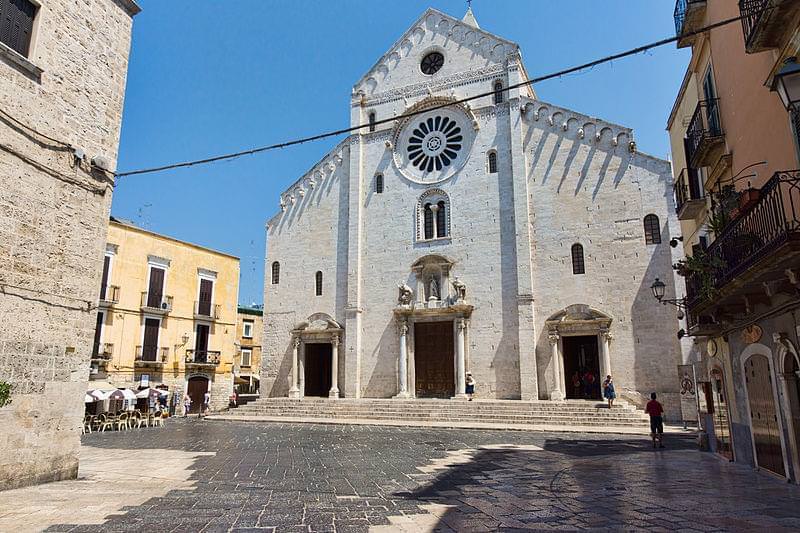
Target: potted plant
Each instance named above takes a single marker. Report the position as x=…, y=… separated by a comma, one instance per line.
x=5, y=393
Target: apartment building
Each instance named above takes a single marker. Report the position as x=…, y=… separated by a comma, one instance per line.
x=249, y=330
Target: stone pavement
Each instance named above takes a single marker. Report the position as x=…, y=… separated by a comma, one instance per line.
x=286, y=477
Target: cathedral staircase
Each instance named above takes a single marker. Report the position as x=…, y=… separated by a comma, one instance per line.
x=568, y=415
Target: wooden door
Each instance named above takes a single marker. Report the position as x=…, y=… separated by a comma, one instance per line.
x=201, y=343
x=434, y=360
x=581, y=356
x=197, y=388
x=98, y=331
x=719, y=409
x=317, y=369
x=204, y=300
x=763, y=416
x=104, y=282
x=150, y=344
x=155, y=291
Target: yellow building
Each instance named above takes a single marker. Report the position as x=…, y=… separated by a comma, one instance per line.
x=167, y=315
x=249, y=328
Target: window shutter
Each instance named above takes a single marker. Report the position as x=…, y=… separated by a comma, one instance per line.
x=16, y=24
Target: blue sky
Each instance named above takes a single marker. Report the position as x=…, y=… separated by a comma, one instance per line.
x=209, y=77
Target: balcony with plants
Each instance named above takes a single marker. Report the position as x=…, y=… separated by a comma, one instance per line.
x=688, y=15
x=757, y=241
x=766, y=23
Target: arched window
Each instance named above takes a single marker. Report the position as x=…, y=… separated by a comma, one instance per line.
x=498, y=92
x=441, y=219
x=492, y=162
x=428, y=222
x=318, y=283
x=578, y=266
x=372, y=121
x=276, y=273
x=652, y=230
x=379, y=183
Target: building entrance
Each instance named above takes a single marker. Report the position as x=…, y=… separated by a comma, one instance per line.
x=317, y=369
x=197, y=388
x=582, y=367
x=434, y=375
x=763, y=416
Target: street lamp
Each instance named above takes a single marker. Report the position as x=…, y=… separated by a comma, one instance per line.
x=658, y=287
x=787, y=84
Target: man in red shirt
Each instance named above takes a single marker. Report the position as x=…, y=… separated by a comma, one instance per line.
x=656, y=412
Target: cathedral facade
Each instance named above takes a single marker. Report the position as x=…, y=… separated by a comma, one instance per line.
x=504, y=236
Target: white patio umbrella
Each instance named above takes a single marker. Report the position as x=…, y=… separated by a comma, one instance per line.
x=88, y=398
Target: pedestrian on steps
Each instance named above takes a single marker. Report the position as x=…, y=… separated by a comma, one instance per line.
x=608, y=391
x=187, y=403
x=470, y=388
x=656, y=412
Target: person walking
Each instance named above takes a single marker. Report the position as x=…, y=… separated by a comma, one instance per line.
x=206, y=404
x=608, y=391
x=656, y=412
x=187, y=403
x=588, y=382
x=470, y=388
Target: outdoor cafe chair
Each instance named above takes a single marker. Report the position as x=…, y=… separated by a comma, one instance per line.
x=158, y=419
x=135, y=419
x=87, y=424
x=105, y=421
x=122, y=421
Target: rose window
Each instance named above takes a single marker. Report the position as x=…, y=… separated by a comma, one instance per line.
x=434, y=143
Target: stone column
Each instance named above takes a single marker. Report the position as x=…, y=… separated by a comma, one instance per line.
x=461, y=326
x=402, y=366
x=605, y=352
x=434, y=210
x=334, y=393
x=294, y=390
x=558, y=369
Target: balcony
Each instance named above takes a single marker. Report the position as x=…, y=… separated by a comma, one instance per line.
x=689, y=196
x=151, y=356
x=206, y=311
x=689, y=15
x=102, y=351
x=109, y=295
x=765, y=22
x=754, y=250
x=156, y=303
x=704, y=136
x=202, y=357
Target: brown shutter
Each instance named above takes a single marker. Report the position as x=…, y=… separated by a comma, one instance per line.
x=97, y=332
x=201, y=343
x=204, y=303
x=16, y=24
x=150, y=348
x=155, y=291
x=104, y=282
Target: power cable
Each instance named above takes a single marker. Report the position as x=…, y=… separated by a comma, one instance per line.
x=32, y=130
x=303, y=140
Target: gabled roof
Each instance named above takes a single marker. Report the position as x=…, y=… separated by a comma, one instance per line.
x=421, y=20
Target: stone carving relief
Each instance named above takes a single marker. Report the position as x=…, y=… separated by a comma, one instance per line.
x=460, y=289
x=405, y=295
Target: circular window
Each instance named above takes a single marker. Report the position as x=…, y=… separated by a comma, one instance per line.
x=431, y=63
x=434, y=143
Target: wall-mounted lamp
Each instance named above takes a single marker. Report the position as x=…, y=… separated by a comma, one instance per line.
x=787, y=84
x=659, y=289
x=674, y=241
x=185, y=338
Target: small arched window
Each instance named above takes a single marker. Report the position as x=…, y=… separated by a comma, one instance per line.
x=492, y=162
x=372, y=121
x=276, y=273
x=578, y=266
x=498, y=92
x=428, y=222
x=379, y=183
x=318, y=283
x=441, y=219
x=652, y=230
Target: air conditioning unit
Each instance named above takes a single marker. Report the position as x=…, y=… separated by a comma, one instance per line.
x=93, y=370
x=164, y=305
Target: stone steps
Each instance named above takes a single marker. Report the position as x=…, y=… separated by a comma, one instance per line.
x=517, y=414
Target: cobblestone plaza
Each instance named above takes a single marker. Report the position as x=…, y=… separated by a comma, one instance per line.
x=295, y=477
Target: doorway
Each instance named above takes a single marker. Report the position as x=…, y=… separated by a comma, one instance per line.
x=763, y=416
x=196, y=388
x=317, y=369
x=719, y=409
x=581, y=367
x=434, y=375
x=791, y=373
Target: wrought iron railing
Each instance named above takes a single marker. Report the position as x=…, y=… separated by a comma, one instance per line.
x=153, y=300
x=796, y=122
x=206, y=309
x=103, y=350
x=773, y=220
x=705, y=125
x=151, y=354
x=686, y=188
x=109, y=294
x=681, y=9
x=203, y=357
x=751, y=11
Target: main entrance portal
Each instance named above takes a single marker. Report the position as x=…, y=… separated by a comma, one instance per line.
x=317, y=369
x=582, y=367
x=434, y=375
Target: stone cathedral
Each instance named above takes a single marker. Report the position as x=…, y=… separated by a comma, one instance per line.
x=505, y=236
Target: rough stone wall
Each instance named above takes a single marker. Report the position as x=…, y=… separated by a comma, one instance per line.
x=53, y=219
